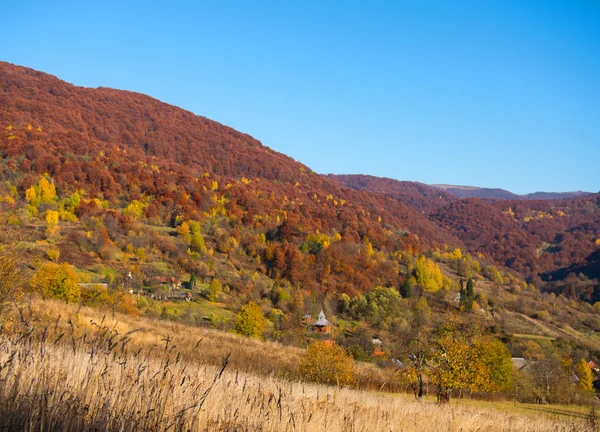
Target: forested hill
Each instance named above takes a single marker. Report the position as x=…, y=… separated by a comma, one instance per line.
x=98, y=139
x=118, y=149
x=541, y=239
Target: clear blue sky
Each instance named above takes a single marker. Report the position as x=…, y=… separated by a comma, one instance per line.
x=489, y=93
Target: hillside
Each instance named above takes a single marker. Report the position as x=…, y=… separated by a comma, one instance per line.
x=117, y=201
x=98, y=140
x=540, y=239
x=501, y=194
x=476, y=192
x=418, y=196
x=194, y=379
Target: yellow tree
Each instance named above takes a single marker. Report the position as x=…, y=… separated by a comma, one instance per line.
x=250, y=321
x=428, y=274
x=47, y=191
x=327, y=363
x=51, y=222
x=586, y=379
x=183, y=231
x=466, y=360
x=58, y=281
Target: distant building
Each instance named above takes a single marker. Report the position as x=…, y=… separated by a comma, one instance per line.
x=322, y=325
x=93, y=285
x=307, y=320
x=393, y=363
x=519, y=363
x=377, y=349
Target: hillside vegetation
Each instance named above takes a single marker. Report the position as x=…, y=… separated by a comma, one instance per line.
x=115, y=201
x=52, y=378
x=551, y=242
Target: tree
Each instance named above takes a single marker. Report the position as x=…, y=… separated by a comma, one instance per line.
x=497, y=366
x=467, y=360
x=58, y=281
x=47, y=191
x=428, y=274
x=51, y=222
x=11, y=280
x=250, y=321
x=192, y=282
x=419, y=349
x=586, y=379
x=183, y=231
x=214, y=290
x=327, y=363
x=549, y=378
x=467, y=296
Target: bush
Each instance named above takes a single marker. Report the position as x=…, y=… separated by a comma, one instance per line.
x=327, y=363
x=99, y=296
x=53, y=254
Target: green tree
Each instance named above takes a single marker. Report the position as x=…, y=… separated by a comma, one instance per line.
x=250, y=321
x=467, y=296
x=58, y=281
x=197, y=243
x=192, y=282
x=327, y=363
x=497, y=374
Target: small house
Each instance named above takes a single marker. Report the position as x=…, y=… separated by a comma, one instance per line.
x=377, y=347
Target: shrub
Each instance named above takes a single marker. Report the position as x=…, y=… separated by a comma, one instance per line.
x=53, y=254
x=327, y=363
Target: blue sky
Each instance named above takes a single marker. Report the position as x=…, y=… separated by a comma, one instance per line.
x=489, y=93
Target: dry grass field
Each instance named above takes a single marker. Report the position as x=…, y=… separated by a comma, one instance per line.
x=80, y=373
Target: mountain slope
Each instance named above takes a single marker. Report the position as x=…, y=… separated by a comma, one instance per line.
x=121, y=148
x=538, y=238
x=495, y=193
x=415, y=195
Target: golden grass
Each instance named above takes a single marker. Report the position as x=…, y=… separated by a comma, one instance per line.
x=133, y=375
x=196, y=344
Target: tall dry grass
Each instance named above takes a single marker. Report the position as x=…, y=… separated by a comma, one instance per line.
x=195, y=344
x=75, y=377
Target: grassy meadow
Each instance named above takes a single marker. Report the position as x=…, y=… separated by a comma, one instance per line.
x=65, y=368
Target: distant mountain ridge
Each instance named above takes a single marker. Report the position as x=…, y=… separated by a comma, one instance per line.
x=535, y=234
x=497, y=193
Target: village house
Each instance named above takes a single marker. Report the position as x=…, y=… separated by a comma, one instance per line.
x=377, y=347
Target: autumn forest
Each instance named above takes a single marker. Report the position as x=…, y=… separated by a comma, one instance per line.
x=115, y=204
